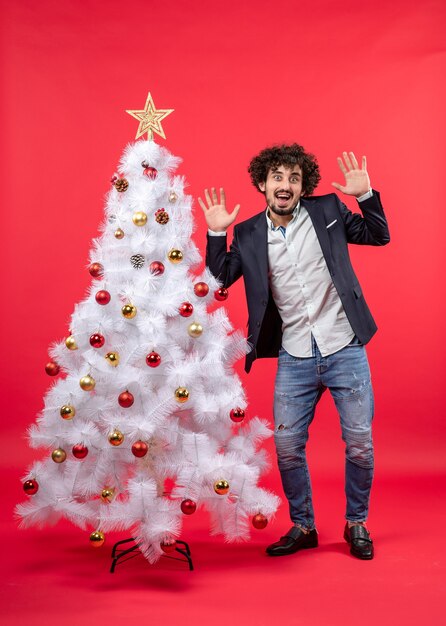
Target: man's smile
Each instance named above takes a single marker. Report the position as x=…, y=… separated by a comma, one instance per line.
x=283, y=197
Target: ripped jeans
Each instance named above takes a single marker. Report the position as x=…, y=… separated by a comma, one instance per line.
x=300, y=382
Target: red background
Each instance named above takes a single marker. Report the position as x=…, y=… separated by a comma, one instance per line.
x=367, y=77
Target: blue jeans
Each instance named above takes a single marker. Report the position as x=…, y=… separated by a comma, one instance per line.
x=300, y=382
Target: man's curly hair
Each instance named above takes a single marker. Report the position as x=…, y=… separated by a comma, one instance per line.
x=287, y=156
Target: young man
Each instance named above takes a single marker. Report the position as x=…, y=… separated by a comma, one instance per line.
x=306, y=306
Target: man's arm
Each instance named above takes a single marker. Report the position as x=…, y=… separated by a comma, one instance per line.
x=371, y=228
x=225, y=266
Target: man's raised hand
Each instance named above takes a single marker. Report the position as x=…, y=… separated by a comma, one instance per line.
x=217, y=217
x=357, y=181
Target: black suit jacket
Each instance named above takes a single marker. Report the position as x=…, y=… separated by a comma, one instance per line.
x=248, y=257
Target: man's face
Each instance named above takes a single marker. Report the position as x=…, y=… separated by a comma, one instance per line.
x=282, y=189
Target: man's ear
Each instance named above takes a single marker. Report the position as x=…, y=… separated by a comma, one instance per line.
x=262, y=186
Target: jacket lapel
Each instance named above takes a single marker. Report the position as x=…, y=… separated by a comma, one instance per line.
x=316, y=212
x=259, y=240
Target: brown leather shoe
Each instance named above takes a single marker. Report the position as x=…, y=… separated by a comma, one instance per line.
x=361, y=546
x=294, y=540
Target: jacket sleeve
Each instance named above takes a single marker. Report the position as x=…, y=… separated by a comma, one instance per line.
x=225, y=266
x=371, y=227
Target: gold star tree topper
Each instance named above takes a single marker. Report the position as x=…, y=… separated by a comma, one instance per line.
x=150, y=119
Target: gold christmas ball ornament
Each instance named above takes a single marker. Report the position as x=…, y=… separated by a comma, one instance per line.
x=175, y=256
x=195, y=329
x=129, y=311
x=97, y=539
x=116, y=437
x=70, y=342
x=181, y=395
x=139, y=218
x=173, y=197
x=67, y=411
x=119, y=233
x=107, y=495
x=58, y=455
x=221, y=487
x=87, y=382
x=112, y=358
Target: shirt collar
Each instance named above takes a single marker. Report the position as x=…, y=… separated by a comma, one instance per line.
x=295, y=216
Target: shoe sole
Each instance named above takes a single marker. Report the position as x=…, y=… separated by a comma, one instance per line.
x=294, y=551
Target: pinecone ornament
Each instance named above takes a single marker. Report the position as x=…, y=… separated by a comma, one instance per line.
x=137, y=260
x=162, y=216
x=121, y=184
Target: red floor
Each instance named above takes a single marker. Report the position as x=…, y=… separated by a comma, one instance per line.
x=53, y=576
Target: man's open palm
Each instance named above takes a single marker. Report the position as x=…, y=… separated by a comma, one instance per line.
x=357, y=181
x=217, y=217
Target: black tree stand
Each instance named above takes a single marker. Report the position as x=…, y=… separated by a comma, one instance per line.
x=120, y=555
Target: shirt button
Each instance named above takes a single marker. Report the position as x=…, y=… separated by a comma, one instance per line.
x=258, y=324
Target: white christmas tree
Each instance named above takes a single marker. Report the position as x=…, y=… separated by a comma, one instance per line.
x=147, y=396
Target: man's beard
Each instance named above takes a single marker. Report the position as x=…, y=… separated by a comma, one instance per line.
x=282, y=211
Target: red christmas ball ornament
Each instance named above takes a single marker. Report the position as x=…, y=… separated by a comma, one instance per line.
x=52, y=368
x=96, y=270
x=156, y=268
x=188, y=507
x=126, y=399
x=153, y=359
x=97, y=340
x=201, y=289
x=103, y=297
x=221, y=294
x=259, y=521
x=140, y=449
x=79, y=451
x=237, y=415
x=168, y=546
x=31, y=486
x=186, y=309
x=150, y=172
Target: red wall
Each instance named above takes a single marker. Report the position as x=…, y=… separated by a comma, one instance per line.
x=367, y=77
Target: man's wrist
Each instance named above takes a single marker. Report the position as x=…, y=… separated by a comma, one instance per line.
x=365, y=196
